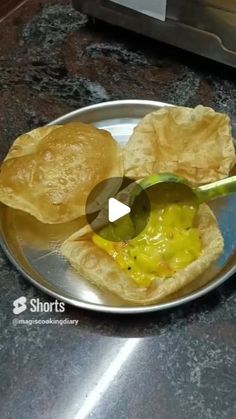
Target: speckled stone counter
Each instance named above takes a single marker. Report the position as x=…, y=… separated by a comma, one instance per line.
x=178, y=364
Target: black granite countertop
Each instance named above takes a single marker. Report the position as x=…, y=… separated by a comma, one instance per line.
x=177, y=364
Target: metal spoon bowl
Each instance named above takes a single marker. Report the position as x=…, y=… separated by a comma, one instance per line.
x=203, y=193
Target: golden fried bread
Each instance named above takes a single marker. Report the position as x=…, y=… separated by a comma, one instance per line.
x=50, y=171
x=196, y=144
x=101, y=269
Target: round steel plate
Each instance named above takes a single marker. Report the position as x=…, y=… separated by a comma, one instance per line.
x=33, y=247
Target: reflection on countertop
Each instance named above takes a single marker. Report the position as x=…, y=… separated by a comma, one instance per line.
x=175, y=364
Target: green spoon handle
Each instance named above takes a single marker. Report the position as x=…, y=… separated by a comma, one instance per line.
x=216, y=189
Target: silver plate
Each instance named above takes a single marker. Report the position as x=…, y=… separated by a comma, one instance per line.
x=32, y=246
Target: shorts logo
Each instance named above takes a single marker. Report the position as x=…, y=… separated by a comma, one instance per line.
x=19, y=305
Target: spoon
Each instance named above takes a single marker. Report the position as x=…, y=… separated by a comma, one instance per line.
x=203, y=193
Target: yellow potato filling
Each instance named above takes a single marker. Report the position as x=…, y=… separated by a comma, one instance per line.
x=169, y=242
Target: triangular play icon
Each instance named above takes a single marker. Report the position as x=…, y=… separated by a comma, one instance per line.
x=116, y=210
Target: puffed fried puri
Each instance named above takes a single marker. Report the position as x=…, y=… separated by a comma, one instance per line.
x=50, y=171
x=196, y=144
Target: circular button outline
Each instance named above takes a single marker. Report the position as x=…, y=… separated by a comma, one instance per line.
x=126, y=191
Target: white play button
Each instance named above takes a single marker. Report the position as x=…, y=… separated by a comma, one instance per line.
x=116, y=210
x=119, y=216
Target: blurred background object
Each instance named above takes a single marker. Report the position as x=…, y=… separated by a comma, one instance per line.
x=205, y=27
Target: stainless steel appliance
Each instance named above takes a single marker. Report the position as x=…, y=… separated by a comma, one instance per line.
x=205, y=27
